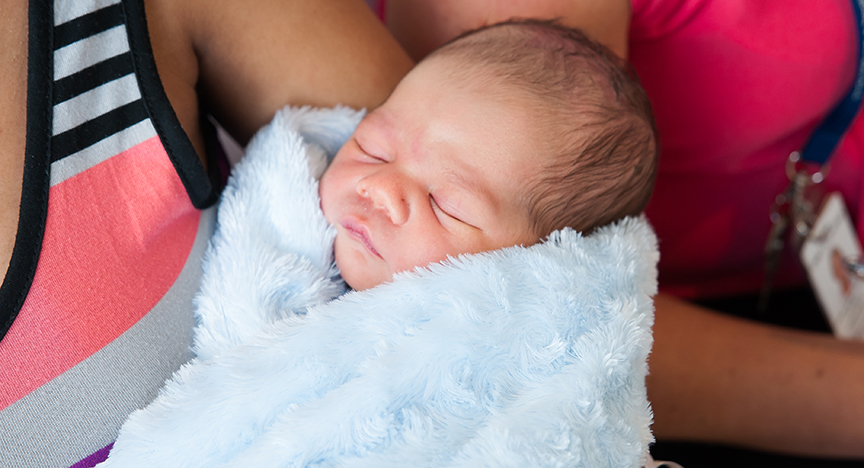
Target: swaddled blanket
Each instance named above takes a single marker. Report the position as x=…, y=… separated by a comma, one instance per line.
x=522, y=357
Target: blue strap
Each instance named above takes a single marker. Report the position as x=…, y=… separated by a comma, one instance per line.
x=825, y=138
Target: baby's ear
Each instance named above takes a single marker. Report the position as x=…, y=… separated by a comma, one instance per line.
x=328, y=128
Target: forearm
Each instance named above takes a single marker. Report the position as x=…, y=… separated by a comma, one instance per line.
x=721, y=379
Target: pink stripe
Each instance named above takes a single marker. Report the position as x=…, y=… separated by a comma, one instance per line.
x=116, y=239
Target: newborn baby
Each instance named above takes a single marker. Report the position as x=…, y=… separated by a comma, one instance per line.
x=496, y=139
x=531, y=355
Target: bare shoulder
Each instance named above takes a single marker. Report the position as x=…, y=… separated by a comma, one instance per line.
x=421, y=26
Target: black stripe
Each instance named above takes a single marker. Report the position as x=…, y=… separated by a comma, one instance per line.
x=92, y=77
x=88, y=25
x=35, y=183
x=92, y=131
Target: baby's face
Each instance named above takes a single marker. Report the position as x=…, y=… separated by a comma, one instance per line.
x=438, y=170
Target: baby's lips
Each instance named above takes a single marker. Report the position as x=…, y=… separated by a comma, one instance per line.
x=360, y=233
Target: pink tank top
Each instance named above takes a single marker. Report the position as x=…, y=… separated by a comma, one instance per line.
x=97, y=303
x=736, y=86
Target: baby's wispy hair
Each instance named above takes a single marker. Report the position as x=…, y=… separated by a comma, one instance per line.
x=599, y=145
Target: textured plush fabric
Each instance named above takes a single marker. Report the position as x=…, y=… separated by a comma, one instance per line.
x=518, y=357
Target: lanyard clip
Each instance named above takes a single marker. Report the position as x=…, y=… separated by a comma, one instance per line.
x=802, y=197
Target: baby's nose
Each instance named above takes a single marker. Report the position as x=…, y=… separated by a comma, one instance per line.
x=387, y=192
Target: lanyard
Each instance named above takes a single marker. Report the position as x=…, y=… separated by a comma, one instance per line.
x=825, y=138
x=792, y=209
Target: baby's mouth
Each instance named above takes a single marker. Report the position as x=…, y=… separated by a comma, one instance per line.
x=358, y=231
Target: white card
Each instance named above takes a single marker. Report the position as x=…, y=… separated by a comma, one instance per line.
x=839, y=291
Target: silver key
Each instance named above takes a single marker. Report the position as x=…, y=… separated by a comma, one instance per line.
x=776, y=242
x=794, y=208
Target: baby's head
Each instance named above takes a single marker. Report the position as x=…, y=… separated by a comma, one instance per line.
x=498, y=138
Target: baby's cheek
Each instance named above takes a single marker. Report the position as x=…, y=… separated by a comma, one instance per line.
x=425, y=251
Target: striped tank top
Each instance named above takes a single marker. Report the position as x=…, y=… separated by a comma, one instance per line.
x=96, y=306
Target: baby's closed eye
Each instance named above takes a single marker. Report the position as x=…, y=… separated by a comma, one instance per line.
x=447, y=215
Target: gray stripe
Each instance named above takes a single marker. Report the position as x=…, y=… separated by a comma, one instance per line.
x=81, y=410
x=91, y=104
x=92, y=155
x=87, y=52
x=67, y=10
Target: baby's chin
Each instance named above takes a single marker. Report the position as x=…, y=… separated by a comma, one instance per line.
x=359, y=277
x=360, y=282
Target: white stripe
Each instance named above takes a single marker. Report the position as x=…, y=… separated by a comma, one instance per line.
x=90, y=51
x=104, y=149
x=67, y=10
x=93, y=103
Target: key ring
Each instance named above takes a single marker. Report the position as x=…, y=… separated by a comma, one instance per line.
x=793, y=171
x=801, y=209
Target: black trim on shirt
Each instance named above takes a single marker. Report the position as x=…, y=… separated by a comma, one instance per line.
x=43, y=93
x=202, y=192
x=35, y=180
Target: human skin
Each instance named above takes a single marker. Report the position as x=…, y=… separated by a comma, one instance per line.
x=421, y=26
x=13, y=102
x=713, y=378
x=244, y=60
x=440, y=169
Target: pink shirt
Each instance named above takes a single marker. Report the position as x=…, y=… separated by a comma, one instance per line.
x=736, y=86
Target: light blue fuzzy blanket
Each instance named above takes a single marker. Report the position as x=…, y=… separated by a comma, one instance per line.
x=522, y=357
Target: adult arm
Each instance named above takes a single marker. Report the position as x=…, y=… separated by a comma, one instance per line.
x=248, y=59
x=423, y=25
x=728, y=380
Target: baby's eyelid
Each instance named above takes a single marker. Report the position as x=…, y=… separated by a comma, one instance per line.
x=437, y=207
x=374, y=159
x=368, y=154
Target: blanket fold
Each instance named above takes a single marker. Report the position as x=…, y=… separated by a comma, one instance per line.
x=525, y=356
